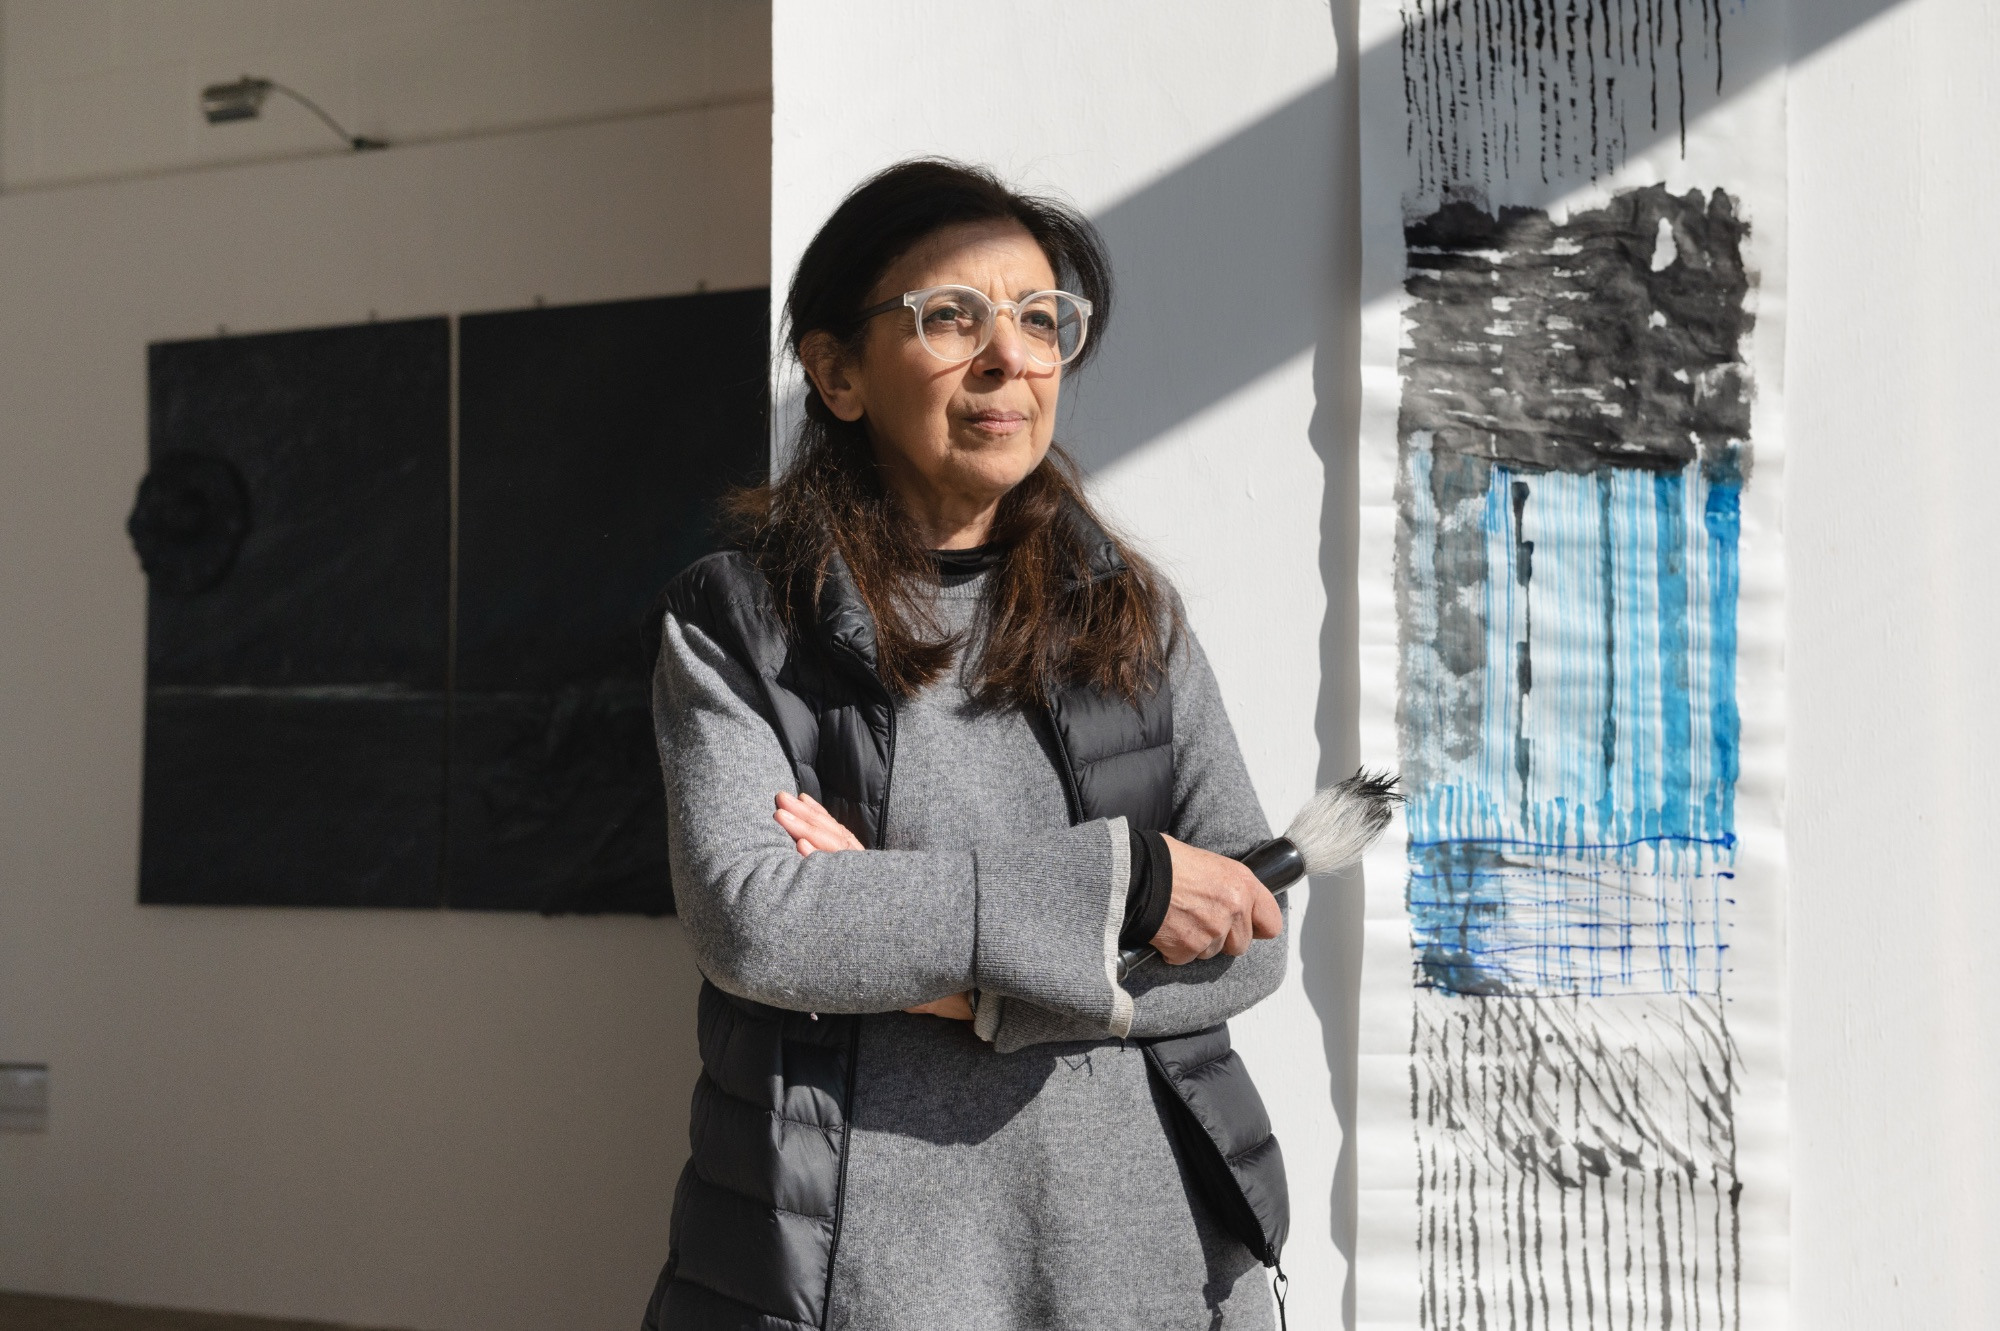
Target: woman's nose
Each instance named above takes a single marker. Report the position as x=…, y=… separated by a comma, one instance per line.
x=1004, y=355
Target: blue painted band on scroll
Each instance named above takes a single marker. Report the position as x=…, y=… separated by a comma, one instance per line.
x=1580, y=838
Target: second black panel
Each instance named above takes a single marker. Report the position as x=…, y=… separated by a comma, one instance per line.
x=594, y=441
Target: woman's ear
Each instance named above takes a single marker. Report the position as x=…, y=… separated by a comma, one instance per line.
x=826, y=364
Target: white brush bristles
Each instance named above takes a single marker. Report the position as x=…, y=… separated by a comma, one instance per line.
x=1337, y=825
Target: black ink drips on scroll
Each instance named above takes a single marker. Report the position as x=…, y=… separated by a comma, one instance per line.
x=1486, y=82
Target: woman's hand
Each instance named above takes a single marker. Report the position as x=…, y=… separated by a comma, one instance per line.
x=955, y=1007
x=1218, y=906
x=812, y=828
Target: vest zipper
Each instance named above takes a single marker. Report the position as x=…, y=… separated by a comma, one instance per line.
x=1071, y=791
x=854, y=1053
x=846, y=1150
x=888, y=778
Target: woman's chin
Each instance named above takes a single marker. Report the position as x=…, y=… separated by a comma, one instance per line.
x=1003, y=461
x=993, y=482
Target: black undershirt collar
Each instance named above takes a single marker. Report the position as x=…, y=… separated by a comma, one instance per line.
x=957, y=566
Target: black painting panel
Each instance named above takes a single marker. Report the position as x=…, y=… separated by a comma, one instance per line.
x=340, y=438
x=295, y=525
x=273, y=799
x=593, y=443
x=556, y=802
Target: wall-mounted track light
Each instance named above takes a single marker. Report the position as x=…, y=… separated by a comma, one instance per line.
x=244, y=100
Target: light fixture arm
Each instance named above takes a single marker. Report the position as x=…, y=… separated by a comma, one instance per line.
x=222, y=103
x=355, y=141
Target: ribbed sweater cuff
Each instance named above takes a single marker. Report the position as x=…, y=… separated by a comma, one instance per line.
x=1048, y=922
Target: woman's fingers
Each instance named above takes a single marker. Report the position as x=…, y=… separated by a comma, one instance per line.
x=1267, y=921
x=1217, y=906
x=1259, y=918
x=810, y=826
x=1235, y=938
x=848, y=840
x=956, y=1007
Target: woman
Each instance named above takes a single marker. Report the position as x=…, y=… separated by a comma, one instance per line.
x=936, y=747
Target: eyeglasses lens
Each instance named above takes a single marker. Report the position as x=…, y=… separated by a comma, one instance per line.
x=957, y=324
x=1052, y=325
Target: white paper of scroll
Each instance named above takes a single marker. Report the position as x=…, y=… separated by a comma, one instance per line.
x=1572, y=1093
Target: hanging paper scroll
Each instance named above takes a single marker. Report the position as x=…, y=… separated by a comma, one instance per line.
x=1572, y=1094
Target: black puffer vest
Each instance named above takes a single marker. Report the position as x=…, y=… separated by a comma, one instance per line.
x=756, y=1219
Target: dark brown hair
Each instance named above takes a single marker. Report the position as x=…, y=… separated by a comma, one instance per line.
x=1045, y=618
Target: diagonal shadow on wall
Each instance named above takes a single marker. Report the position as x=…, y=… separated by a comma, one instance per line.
x=1221, y=263
x=1233, y=264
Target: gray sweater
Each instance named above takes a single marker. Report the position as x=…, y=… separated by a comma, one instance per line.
x=1012, y=1172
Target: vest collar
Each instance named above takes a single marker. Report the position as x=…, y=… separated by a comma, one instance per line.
x=1100, y=551
x=843, y=620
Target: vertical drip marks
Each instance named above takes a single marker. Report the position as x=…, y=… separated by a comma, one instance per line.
x=1512, y=43
x=1654, y=30
x=1576, y=1165
x=1591, y=1165
x=1495, y=88
x=1448, y=92
x=1482, y=28
x=1596, y=88
x=1717, y=48
x=1415, y=150
x=1634, y=1214
x=1417, y=1127
x=1473, y=1045
x=1465, y=90
x=1569, y=56
x=1680, y=73
x=1524, y=662
x=1492, y=26
x=1547, y=119
x=1436, y=102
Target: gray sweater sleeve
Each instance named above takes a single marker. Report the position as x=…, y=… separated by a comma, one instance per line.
x=1215, y=808
x=866, y=931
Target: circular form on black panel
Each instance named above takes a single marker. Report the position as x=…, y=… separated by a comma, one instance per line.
x=188, y=522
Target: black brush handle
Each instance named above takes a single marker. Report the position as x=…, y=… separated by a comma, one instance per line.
x=1277, y=864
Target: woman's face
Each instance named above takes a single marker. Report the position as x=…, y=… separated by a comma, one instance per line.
x=951, y=439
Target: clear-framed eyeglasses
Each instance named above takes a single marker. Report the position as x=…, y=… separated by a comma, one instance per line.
x=956, y=323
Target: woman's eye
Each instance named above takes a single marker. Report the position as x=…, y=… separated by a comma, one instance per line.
x=1038, y=321
x=946, y=315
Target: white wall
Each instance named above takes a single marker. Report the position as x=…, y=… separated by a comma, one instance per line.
x=99, y=88
x=1207, y=141
x=1892, y=471
x=1215, y=146
x=428, y=1120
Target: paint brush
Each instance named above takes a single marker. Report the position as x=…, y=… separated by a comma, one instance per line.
x=1334, y=829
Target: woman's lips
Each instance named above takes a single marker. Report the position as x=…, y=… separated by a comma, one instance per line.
x=996, y=422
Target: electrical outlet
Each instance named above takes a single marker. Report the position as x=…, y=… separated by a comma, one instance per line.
x=24, y=1097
